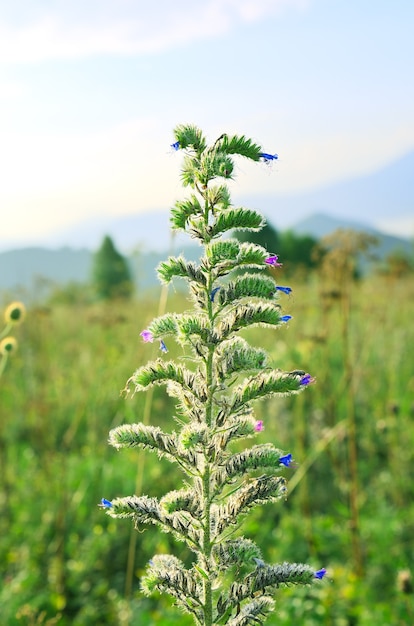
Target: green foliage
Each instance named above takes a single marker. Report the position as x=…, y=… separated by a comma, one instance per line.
x=64, y=563
x=68, y=562
x=295, y=250
x=111, y=274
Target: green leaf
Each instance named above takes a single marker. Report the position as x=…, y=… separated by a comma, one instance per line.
x=163, y=325
x=240, y=145
x=161, y=372
x=238, y=356
x=214, y=164
x=218, y=196
x=190, y=136
x=265, y=384
x=183, y=211
x=179, y=267
x=222, y=250
x=237, y=219
x=152, y=437
x=252, y=255
x=245, y=315
x=248, y=286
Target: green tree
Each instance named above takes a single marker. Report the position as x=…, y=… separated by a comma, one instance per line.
x=268, y=237
x=296, y=250
x=111, y=274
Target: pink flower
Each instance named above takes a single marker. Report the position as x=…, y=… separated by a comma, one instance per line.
x=259, y=426
x=273, y=261
x=147, y=336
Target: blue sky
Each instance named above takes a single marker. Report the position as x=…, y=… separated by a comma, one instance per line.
x=91, y=90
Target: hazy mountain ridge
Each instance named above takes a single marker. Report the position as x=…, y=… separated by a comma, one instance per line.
x=23, y=268
x=387, y=193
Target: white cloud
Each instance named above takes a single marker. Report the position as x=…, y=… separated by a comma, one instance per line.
x=130, y=30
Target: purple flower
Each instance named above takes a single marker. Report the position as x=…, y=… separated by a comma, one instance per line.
x=320, y=573
x=285, y=318
x=106, y=504
x=259, y=426
x=286, y=460
x=163, y=347
x=213, y=293
x=307, y=379
x=147, y=336
x=267, y=158
x=286, y=290
x=176, y=145
x=272, y=260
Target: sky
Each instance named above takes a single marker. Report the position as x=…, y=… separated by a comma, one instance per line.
x=90, y=91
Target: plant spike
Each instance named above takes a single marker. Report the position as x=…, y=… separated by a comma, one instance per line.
x=228, y=583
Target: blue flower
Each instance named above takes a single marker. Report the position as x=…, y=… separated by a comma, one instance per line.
x=286, y=460
x=285, y=318
x=213, y=293
x=163, y=347
x=106, y=504
x=320, y=573
x=176, y=145
x=259, y=562
x=266, y=157
x=286, y=290
x=307, y=379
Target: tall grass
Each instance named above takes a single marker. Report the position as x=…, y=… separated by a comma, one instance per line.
x=65, y=563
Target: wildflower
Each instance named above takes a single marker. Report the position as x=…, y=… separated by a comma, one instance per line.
x=176, y=145
x=286, y=318
x=259, y=562
x=286, y=460
x=147, y=336
x=272, y=260
x=286, y=290
x=8, y=345
x=307, y=379
x=106, y=504
x=163, y=347
x=213, y=293
x=320, y=573
x=15, y=313
x=259, y=426
x=267, y=158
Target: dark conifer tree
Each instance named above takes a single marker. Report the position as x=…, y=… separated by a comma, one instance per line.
x=111, y=273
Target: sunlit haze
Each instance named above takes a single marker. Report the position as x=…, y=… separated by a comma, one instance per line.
x=90, y=92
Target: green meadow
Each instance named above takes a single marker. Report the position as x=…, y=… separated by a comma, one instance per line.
x=351, y=502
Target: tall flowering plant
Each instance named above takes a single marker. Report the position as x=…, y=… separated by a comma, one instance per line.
x=228, y=581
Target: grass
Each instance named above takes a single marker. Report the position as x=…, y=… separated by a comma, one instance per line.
x=65, y=561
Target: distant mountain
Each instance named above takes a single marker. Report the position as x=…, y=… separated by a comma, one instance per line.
x=387, y=194
x=147, y=231
x=318, y=225
x=42, y=269
x=26, y=268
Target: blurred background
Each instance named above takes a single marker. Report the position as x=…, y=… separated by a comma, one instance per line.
x=89, y=96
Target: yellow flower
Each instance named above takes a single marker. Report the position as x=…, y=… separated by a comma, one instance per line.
x=8, y=345
x=15, y=313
